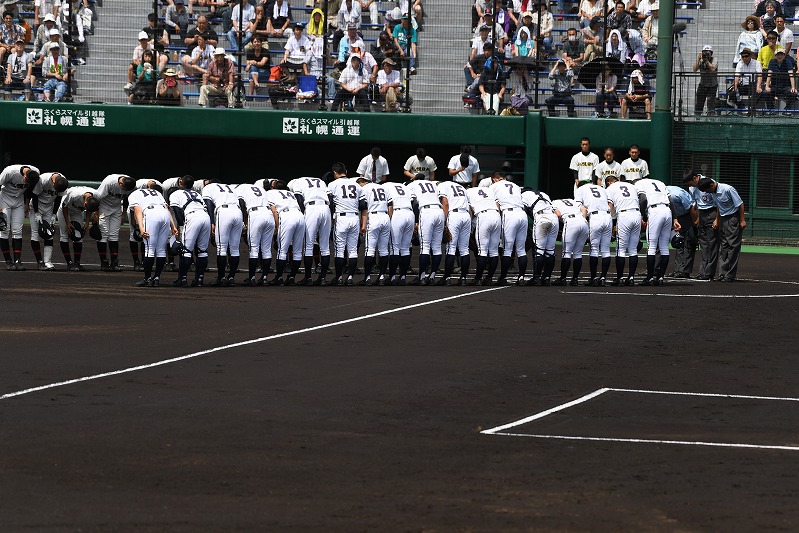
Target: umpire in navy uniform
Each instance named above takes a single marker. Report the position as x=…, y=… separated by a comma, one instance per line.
x=730, y=222
x=707, y=234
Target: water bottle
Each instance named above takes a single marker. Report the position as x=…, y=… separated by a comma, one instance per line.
x=508, y=51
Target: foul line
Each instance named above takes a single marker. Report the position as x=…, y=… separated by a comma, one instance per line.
x=243, y=343
x=714, y=395
x=681, y=295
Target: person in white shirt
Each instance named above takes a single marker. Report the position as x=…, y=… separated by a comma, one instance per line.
x=373, y=167
x=388, y=80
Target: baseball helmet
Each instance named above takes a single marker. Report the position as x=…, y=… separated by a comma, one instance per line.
x=3, y=222
x=677, y=241
x=175, y=246
x=45, y=231
x=76, y=231
x=94, y=232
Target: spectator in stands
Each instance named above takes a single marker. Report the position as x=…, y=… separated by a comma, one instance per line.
x=588, y=10
x=606, y=93
x=279, y=17
x=707, y=66
x=562, y=79
x=42, y=8
x=502, y=17
x=146, y=75
x=649, y=32
x=316, y=25
x=210, y=39
x=637, y=95
x=258, y=62
x=388, y=80
x=750, y=36
x=384, y=48
x=767, y=22
x=766, y=53
x=474, y=69
x=19, y=70
x=748, y=80
x=619, y=19
x=348, y=15
x=785, y=35
x=491, y=85
x=615, y=47
x=371, y=7
x=43, y=35
x=519, y=84
x=401, y=39
x=331, y=16
x=9, y=35
x=56, y=74
x=520, y=7
x=167, y=90
x=367, y=60
x=524, y=46
x=159, y=37
x=218, y=79
x=72, y=29
x=760, y=6
x=789, y=9
x=573, y=50
x=479, y=8
x=297, y=47
x=260, y=24
x=354, y=82
x=499, y=35
x=240, y=18
x=345, y=44
x=527, y=22
x=201, y=57
x=483, y=37
x=177, y=19
x=144, y=44
x=781, y=81
x=544, y=38
x=418, y=11
x=594, y=39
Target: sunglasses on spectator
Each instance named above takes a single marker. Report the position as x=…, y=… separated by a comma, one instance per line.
x=746, y=55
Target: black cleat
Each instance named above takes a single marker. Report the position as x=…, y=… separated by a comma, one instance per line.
x=18, y=266
x=590, y=283
x=290, y=281
x=442, y=282
x=647, y=281
x=350, y=282
x=10, y=265
x=629, y=282
x=155, y=282
x=615, y=282
x=401, y=282
x=476, y=282
x=137, y=266
x=600, y=282
x=196, y=282
x=546, y=282
x=179, y=282
x=415, y=281
x=249, y=282
x=218, y=282
x=501, y=282
x=116, y=268
x=276, y=282
x=304, y=282
x=319, y=282
x=143, y=283
x=574, y=282
x=532, y=281
x=559, y=282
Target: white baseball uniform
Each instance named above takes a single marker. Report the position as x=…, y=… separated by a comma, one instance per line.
x=545, y=222
x=634, y=170
x=260, y=220
x=156, y=218
x=431, y=217
x=346, y=195
x=291, y=224
x=72, y=201
x=227, y=218
x=45, y=191
x=402, y=219
x=196, y=230
x=464, y=177
x=111, y=196
x=624, y=197
x=584, y=164
x=458, y=219
x=600, y=225
x=575, y=227
x=415, y=166
x=605, y=169
x=318, y=220
x=12, y=199
x=659, y=217
x=487, y=222
x=378, y=224
x=514, y=219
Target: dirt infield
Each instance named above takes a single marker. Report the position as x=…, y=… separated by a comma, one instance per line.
x=356, y=409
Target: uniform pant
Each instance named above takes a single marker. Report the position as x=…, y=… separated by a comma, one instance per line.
x=730, y=249
x=628, y=233
x=401, y=231
x=431, y=229
x=47, y=216
x=487, y=232
x=197, y=233
x=684, y=258
x=708, y=242
x=228, y=224
x=346, y=229
x=110, y=222
x=378, y=234
x=15, y=213
x=575, y=233
x=260, y=230
x=317, y=228
x=600, y=227
x=290, y=231
x=75, y=215
x=460, y=226
x=658, y=230
x=546, y=233
x=157, y=224
x=514, y=232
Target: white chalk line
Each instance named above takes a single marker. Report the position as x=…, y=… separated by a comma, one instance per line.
x=244, y=343
x=680, y=295
x=655, y=441
x=710, y=394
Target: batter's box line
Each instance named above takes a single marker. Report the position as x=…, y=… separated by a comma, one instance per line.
x=500, y=430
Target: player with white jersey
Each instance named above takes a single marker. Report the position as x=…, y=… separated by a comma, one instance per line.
x=346, y=195
x=45, y=199
x=538, y=206
x=600, y=228
x=572, y=215
x=464, y=167
x=14, y=181
x=191, y=215
x=608, y=167
x=137, y=247
x=155, y=221
x=400, y=209
x=634, y=168
x=624, y=197
x=514, y=226
x=290, y=228
x=75, y=202
x=583, y=164
x=227, y=223
x=376, y=228
x=431, y=228
x=311, y=193
x=455, y=204
x=112, y=193
x=660, y=219
x=487, y=231
x=260, y=224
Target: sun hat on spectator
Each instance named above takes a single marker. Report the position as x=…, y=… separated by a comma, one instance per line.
x=527, y=14
x=707, y=48
x=389, y=61
x=49, y=17
x=170, y=72
x=54, y=31
x=143, y=35
x=219, y=51
x=779, y=50
x=746, y=51
x=753, y=19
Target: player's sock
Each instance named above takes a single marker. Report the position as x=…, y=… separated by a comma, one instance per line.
x=280, y=267
x=605, y=266
x=65, y=251
x=113, y=251
x=382, y=266
x=134, y=251
x=185, y=264
x=436, y=262
x=308, y=260
x=339, y=267
x=221, y=265
x=234, y=266
x=449, y=265
x=565, y=263
x=650, y=265
x=6, y=249
x=465, y=263
x=324, y=265
x=538, y=266
x=17, y=245
x=202, y=266
x=493, y=262
x=549, y=266
x=148, y=267
x=77, y=251
x=505, y=266
x=578, y=267
x=664, y=264
x=102, y=250
x=619, y=267
x=352, y=266
x=633, y=264
x=37, y=251
x=368, y=265
x=159, y=266
x=482, y=261
x=295, y=267
x=593, y=264
x=424, y=261
x=393, y=263
x=522, y=265
x=266, y=264
x=252, y=266
x=404, y=265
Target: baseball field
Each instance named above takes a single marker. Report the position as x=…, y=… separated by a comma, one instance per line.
x=670, y=408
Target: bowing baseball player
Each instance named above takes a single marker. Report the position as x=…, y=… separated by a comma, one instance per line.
x=191, y=215
x=290, y=228
x=514, y=226
x=400, y=209
x=572, y=215
x=260, y=224
x=77, y=206
x=545, y=232
x=227, y=222
x=431, y=227
x=45, y=199
x=16, y=182
x=312, y=195
x=155, y=222
x=600, y=227
x=624, y=198
x=487, y=232
x=660, y=219
x=455, y=204
x=376, y=229
x=345, y=193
